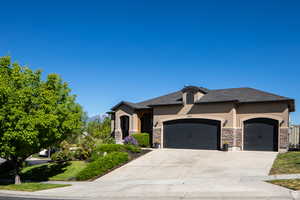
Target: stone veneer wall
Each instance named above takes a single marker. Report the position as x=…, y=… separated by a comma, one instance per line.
x=227, y=136
x=232, y=136
x=283, y=138
x=238, y=137
x=118, y=137
x=157, y=135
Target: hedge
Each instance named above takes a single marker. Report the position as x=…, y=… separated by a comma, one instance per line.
x=109, y=148
x=102, y=165
x=143, y=139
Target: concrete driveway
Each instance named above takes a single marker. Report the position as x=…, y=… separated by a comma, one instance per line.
x=184, y=174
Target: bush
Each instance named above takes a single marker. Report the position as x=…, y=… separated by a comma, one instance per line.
x=131, y=140
x=102, y=165
x=109, y=148
x=80, y=154
x=132, y=148
x=61, y=156
x=143, y=139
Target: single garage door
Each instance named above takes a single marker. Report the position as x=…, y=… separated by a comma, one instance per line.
x=261, y=134
x=192, y=134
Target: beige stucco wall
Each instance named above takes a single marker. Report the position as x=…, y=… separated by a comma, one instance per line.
x=133, y=118
x=274, y=110
x=232, y=116
x=221, y=112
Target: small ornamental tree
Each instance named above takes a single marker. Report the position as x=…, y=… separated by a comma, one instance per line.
x=34, y=113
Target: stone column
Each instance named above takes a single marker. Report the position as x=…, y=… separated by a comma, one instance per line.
x=227, y=137
x=118, y=131
x=133, y=125
x=233, y=137
x=118, y=136
x=157, y=136
x=283, y=142
x=238, y=138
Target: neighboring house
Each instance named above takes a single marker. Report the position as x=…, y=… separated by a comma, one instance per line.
x=199, y=118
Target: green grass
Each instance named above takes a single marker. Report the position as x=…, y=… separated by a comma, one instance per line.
x=293, y=184
x=286, y=163
x=50, y=171
x=31, y=187
x=71, y=171
x=54, y=171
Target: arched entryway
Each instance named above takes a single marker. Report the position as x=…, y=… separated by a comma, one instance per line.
x=192, y=134
x=261, y=134
x=124, y=120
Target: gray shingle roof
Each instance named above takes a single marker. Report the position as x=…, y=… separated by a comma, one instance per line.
x=239, y=95
x=130, y=104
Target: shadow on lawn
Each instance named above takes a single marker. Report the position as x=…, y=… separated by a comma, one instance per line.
x=38, y=173
x=44, y=172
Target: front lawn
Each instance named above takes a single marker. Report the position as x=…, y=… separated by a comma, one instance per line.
x=63, y=171
x=31, y=187
x=286, y=163
x=105, y=158
x=293, y=184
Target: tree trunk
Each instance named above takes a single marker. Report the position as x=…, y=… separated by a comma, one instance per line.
x=18, y=166
x=17, y=179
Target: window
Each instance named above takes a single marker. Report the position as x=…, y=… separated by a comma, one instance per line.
x=189, y=98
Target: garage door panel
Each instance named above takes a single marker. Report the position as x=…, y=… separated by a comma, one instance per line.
x=191, y=134
x=260, y=135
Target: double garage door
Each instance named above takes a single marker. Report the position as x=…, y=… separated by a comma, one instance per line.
x=192, y=134
x=259, y=134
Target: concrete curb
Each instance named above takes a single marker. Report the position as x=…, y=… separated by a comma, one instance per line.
x=32, y=196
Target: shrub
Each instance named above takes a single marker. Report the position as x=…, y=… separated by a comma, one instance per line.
x=131, y=140
x=143, y=139
x=109, y=148
x=80, y=154
x=132, y=148
x=60, y=156
x=102, y=165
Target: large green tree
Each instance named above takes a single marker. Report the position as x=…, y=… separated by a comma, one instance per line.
x=34, y=113
x=100, y=129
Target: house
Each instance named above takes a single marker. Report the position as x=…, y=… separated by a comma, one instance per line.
x=199, y=118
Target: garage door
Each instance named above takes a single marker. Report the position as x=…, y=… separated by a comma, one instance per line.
x=192, y=134
x=261, y=134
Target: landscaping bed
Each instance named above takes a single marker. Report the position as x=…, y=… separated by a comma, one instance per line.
x=293, y=184
x=116, y=155
x=286, y=163
x=104, y=159
x=132, y=156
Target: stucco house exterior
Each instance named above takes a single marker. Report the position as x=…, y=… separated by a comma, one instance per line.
x=200, y=118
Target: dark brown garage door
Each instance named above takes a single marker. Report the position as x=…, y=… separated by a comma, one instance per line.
x=261, y=134
x=192, y=134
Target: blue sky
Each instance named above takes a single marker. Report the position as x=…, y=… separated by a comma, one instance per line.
x=110, y=51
